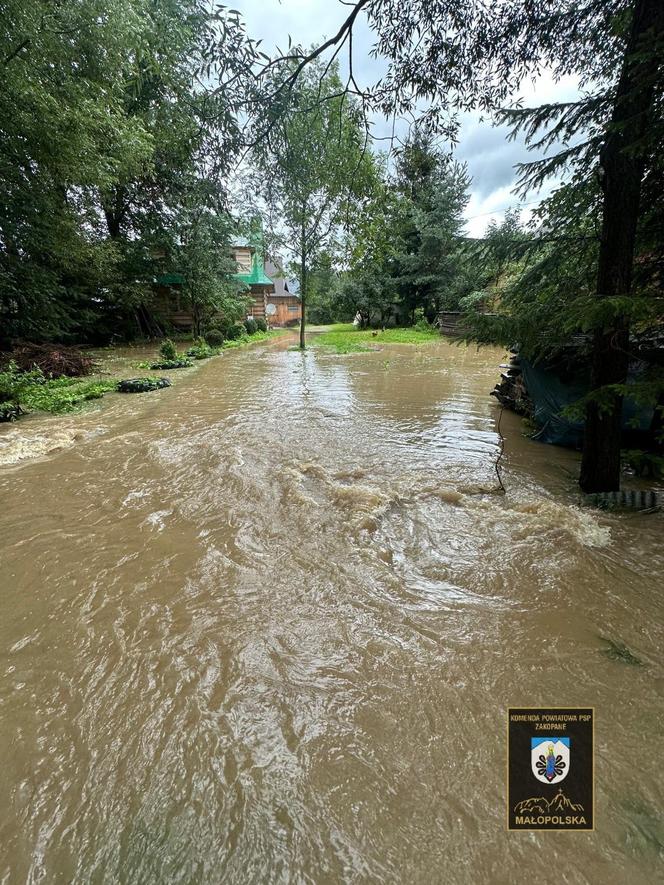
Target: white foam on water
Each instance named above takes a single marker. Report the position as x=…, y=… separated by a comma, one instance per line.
x=545, y=515
x=17, y=445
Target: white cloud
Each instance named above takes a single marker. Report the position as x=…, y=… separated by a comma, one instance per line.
x=490, y=156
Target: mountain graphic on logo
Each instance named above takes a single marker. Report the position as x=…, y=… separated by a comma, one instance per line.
x=541, y=805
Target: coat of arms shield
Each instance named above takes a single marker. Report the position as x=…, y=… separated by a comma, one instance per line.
x=550, y=758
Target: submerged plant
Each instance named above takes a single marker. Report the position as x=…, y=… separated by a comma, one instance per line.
x=142, y=385
x=64, y=394
x=200, y=350
x=618, y=651
x=179, y=363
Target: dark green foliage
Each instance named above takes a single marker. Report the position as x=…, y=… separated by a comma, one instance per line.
x=408, y=253
x=168, y=350
x=421, y=323
x=432, y=194
x=14, y=382
x=644, y=464
x=315, y=162
x=9, y=411
x=113, y=154
x=142, y=385
x=235, y=331
x=214, y=337
x=261, y=324
x=250, y=325
x=20, y=391
x=323, y=290
x=200, y=351
x=178, y=363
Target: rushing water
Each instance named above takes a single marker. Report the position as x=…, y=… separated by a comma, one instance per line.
x=264, y=626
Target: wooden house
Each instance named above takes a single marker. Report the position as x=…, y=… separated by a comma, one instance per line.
x=284, y=307
x=169, y=306
x=273, y=298
x=248, y=254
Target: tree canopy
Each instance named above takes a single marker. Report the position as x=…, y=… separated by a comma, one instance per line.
x=109, y=132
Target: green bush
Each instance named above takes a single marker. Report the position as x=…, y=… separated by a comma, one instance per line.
x=261, y=324
x=251, y=326
x=200, y=350
x=142, y=385
x=237, y=330
x=177, y=363
x=214, y=337
x=10, y=411
x=13, y=382
x=168, y=350
x=421, y=323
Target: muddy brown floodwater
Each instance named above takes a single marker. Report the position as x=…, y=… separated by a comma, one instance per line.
x=264, y=627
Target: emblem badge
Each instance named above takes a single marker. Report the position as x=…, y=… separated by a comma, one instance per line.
x=545, y=791
x=549, y=758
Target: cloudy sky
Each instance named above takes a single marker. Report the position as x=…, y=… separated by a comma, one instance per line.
x=490, y=157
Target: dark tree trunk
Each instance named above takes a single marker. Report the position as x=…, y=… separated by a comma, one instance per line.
x=657, y=425
x=196, y=320
x=148, y=326
x=114, y=213
x=622, y=160
x=303, y=282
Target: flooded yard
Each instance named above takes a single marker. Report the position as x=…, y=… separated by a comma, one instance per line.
x=265, y=625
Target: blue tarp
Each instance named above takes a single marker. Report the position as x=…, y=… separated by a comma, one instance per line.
x=550, y=395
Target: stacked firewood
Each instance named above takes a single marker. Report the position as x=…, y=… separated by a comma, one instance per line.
x=511, y=391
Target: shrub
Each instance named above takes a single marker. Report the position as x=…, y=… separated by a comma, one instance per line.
x=200, y=350
x=261, y=324
x=142, y=385
x=178, y=363
x=251, y=326
x=14, y=382
x=237, y=330
x=54, y=360
x=473, y=302
x=168, y=350
x=214, y=337
x=421, y=322
x=10, y=411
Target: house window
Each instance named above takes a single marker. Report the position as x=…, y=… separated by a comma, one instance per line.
x=293, y=308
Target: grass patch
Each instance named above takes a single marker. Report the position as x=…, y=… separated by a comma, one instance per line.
x=243, y=340
x=63, y=394
x=346, y=338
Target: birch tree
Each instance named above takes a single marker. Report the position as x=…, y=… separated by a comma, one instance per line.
x=312, y=160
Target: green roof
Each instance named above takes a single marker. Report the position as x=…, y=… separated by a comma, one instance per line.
x=170, y=279
x=257, y=277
